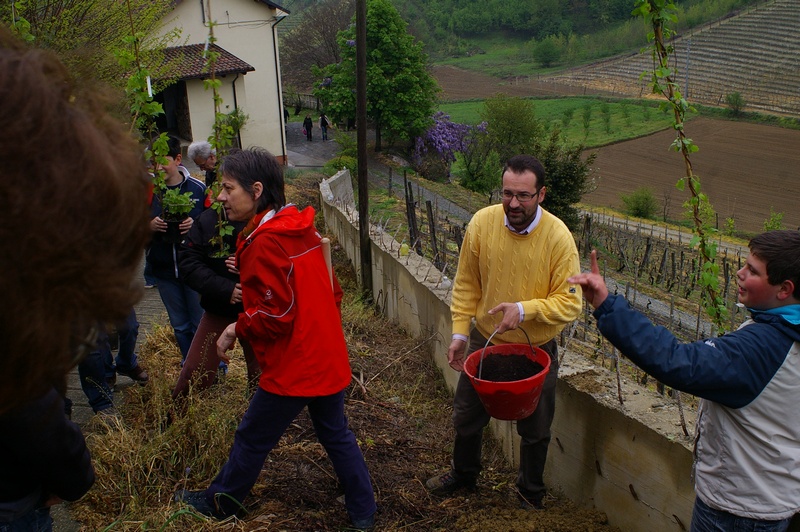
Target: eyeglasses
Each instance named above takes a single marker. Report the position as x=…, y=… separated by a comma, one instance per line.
x=522, y=197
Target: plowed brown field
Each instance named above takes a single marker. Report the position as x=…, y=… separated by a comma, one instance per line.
x=745, y=169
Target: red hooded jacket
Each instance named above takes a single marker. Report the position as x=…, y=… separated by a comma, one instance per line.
x=291, y=314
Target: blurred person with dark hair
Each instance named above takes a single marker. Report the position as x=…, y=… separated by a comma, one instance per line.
x=292, y=321
x=74, y=225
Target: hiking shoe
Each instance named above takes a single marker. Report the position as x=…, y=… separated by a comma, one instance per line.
x=198, y=501
x=530, y=504
x=136, y=373
x=448, y=483
x=364, y=524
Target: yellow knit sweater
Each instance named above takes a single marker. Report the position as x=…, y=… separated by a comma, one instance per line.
x=498, y=266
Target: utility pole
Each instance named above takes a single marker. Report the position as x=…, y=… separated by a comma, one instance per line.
x=361, y=137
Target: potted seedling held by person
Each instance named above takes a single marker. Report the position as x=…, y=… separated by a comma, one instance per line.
x=176, y=206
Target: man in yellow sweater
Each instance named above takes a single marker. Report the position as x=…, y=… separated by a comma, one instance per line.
x=512, y=273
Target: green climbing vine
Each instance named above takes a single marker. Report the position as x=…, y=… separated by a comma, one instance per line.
x=658, y=14
x=144, y=111
x=221, y=139
x=20, y=24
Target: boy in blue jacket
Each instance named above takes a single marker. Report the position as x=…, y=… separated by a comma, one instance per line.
x=182, y=303
x=747, y=442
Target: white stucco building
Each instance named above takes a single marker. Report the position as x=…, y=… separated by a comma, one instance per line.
x=248, y=67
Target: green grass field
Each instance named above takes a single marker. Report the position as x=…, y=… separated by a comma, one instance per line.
x=590, y=121
x=507, y=53
x=496, y=55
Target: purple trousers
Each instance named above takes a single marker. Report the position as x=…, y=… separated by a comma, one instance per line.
x=200, y=368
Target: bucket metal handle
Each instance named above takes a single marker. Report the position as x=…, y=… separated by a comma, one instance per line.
x=483, y=351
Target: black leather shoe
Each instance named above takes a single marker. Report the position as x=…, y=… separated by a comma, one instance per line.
x=530, y=504
x=367, y=523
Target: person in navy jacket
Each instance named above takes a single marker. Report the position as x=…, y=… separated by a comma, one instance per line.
x=747, y=442
x=216, y=279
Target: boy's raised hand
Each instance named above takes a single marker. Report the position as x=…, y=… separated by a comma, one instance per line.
x=592, y=283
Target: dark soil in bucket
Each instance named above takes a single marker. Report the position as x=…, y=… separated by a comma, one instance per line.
x=507, y=368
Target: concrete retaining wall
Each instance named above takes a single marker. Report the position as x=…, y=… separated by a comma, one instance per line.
x=602, y=454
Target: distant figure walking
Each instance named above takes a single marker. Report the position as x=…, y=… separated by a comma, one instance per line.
x=323, y=125
x=307, y=125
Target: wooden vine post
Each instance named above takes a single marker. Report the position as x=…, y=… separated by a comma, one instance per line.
x=657, y=13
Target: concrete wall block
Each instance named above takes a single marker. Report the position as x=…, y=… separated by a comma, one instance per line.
x=605, y=457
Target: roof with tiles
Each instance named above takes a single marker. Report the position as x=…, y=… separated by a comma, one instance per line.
x=189, y=62
x=272, y=5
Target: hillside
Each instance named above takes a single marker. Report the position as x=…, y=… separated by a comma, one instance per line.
x=755, y=53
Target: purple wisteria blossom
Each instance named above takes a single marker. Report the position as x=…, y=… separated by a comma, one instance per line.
x=443, y=140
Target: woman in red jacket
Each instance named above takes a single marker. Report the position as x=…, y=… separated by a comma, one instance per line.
x=292, y=321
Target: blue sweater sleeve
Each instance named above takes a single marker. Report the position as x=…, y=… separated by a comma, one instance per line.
x=731, y=370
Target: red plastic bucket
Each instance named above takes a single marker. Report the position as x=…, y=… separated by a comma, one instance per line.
x=512, y=399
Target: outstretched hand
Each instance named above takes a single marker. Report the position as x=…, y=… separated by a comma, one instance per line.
x=592, y=283
x=225, y=342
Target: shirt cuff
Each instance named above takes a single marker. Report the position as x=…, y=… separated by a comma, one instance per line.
x=521, y=312
x=461, y=337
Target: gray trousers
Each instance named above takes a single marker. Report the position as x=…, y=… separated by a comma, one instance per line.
x=470, y=418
